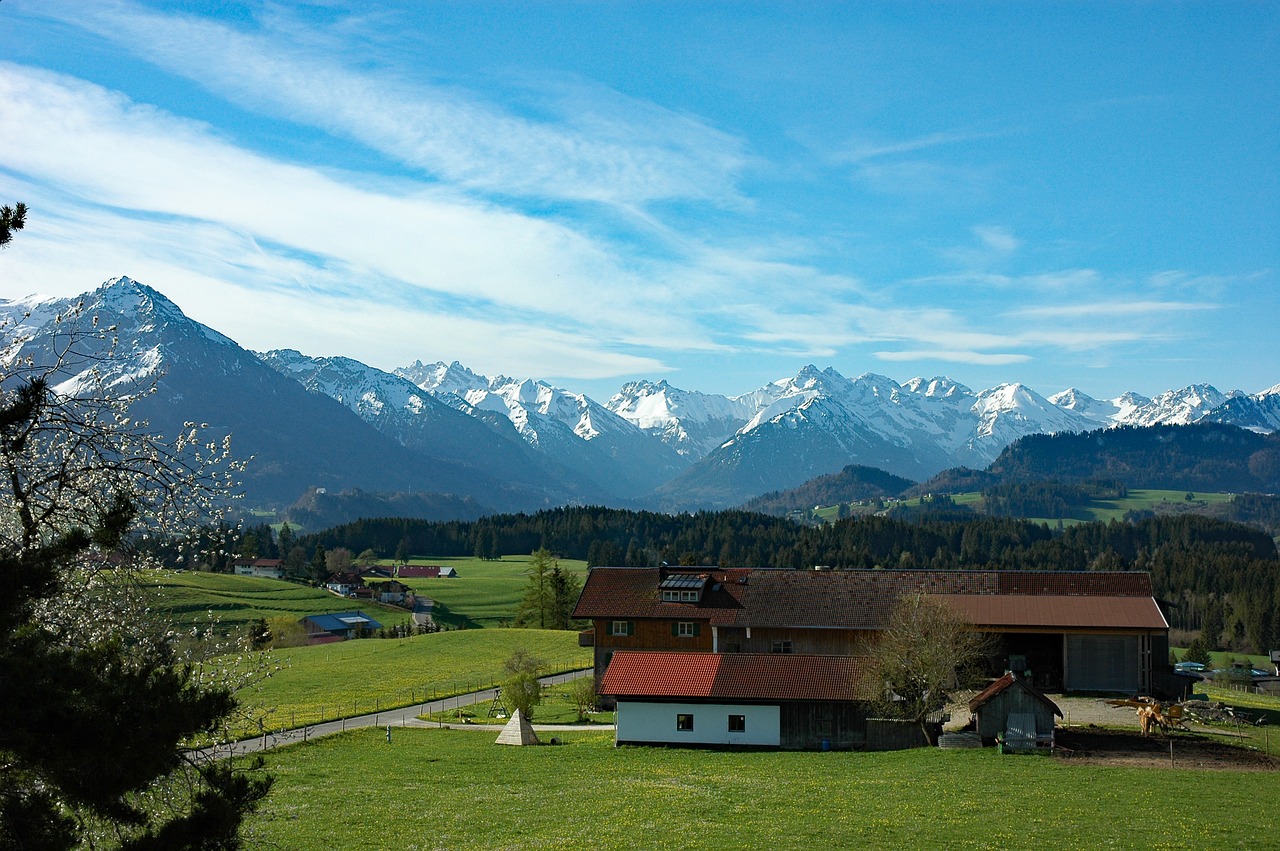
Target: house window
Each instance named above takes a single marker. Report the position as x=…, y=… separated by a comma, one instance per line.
x=671, y=596
x=684, y=629
x=620, y=628
x=684, y=722
x=737, y=723
x=780, y=647
x=688, y=596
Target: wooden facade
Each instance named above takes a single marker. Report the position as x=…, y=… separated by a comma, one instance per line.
x=823, y=725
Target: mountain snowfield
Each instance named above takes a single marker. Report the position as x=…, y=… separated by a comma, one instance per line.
x=651, y=444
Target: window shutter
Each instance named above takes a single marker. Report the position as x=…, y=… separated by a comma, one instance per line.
x=697, y=628
x=631, y=627
x=675, y=627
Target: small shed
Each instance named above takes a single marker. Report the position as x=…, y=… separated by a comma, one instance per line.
x=1011, y=695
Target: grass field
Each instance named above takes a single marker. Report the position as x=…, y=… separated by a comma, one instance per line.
x=1150, y=500
x=1102, y=509
x=335, y=680
x=189, y=598
x=456, y=789
x=485, y=593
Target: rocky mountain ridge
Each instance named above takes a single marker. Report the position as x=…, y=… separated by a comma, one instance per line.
x=521, y=443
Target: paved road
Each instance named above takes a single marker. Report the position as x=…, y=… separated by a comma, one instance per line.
x=405, y=717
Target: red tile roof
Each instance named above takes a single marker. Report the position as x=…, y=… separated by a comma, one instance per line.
x=862, y=599
x=737, y=676
x=1010, y=681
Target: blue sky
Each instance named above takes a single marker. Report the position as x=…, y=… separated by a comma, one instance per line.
x=712, y=193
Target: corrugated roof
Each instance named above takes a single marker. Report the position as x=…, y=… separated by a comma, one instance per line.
x=1022, y=610
x=736, y=676
x=862, y=599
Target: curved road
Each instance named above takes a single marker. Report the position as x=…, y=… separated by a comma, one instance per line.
x=403, y=717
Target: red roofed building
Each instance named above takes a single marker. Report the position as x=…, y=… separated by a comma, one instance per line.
x=418, y=571
x=744, y=699
x=1064, y=630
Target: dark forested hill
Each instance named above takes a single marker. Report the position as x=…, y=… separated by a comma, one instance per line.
x=852, y=484
x=1199, y=457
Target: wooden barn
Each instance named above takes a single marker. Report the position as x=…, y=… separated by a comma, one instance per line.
x=1013, y=696
x=1064, y=630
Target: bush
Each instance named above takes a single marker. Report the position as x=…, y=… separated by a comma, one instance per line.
x=521, y=689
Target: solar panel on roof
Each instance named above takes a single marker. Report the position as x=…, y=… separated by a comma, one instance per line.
x=695, y=582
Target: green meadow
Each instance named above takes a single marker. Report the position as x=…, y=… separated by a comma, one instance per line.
x=485, y=593
x=448, y=789
x=330, y=681
x=191, y=599
x=1099, y=509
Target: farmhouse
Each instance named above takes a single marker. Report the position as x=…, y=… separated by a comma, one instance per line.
x=269, y=568
x=344, y=584
x=391, y=592
x=743, y=699
x=1060, y=630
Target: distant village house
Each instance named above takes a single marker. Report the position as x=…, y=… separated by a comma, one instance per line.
x=267, y=568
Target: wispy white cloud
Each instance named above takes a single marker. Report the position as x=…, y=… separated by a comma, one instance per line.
x=974, y=358
x=863, y=149
x=158, y=176
x=1108, y=309
x=997, y=238
x=598, y=146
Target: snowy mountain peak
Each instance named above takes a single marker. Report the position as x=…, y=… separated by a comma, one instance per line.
x=938, y=387
x=693, y=423
x=1177, y=407
x=1012, y=410
x=137, y=308
x=441, y=378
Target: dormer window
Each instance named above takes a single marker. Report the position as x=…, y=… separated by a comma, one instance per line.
x=682, y=588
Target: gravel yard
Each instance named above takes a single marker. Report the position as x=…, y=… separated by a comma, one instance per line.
x=1091, y=732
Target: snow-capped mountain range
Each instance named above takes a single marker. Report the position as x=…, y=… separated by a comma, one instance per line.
x=522, y=442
